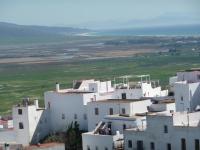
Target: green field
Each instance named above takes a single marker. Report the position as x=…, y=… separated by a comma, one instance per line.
x=32, y=80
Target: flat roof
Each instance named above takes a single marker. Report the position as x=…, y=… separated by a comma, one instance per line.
x=123, y=117
x=119, y=100
x=73, y=92
x=191, y=70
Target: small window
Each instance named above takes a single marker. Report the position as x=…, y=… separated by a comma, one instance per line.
x=123, y=95
x=96, y=111
x=21, y=126
x=181, y=98
x=123, y=111
x=169, y=146
x=124, y=126
x=20, y=111
x=152, y=146
x=198, y=76
x=75, y=116
x=165, y=129
x=63, y=116
x=85, y=116
x=49, y=105
x=130, y=144
x=111, y=111
x=88, y=147
x=106, y=148
x=197, y=145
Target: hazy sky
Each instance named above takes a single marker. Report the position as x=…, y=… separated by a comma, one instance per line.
x=94, y=13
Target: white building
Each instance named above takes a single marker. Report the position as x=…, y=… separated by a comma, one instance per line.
x=162, y=104
x=128, y=88
x=175, y=131
x=108, y=134
x=98, y=110
x=88, y=103
x=31, y=123
x=187, y=90
x=117, y=116
x=69, y=105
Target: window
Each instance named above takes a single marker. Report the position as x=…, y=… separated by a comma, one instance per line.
x=130, y=144
x=197, y=146
x=183, y=144
x=111, y=111
x=123, y=111
x=124, y=126
x=165, y=129
x=49, y=105
x=88, y=147
x=63, y=116
x=181, y=98
x=96, y=148
x=19, y=111
x=21, y=126
x=123, y=95
x=85, y=116
x=96, y=111
x=198, y=76
x=106, y=148
x=169, y=146
x=152, y=146
x=109, y=125
x=75, y=116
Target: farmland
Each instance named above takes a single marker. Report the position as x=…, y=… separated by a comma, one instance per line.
x=98, y=57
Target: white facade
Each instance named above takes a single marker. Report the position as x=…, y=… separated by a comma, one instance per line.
x=139, y=90
x=191, y=75
x=187, y=96
x=65, y=108
x=166, y=132
x=70, y=105
x=114, y=106
x=30, y=123
x=187, y=90
x=101, y=142
x=108, y=134
x=162, y=105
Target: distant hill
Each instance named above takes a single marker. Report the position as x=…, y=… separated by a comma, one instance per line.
x=14, y=30
x=179, y=30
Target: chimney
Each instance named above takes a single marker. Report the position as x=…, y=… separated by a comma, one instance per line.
x=57, y=87
x=36, y=103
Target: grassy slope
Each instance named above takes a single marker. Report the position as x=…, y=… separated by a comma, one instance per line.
x=18, y=81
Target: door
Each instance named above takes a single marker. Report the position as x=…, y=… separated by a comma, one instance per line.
x=140, y=145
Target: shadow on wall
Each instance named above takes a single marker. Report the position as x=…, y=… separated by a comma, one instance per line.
x=42, y=128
